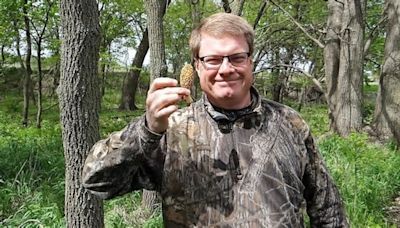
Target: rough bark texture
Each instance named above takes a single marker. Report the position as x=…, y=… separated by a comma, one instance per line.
x=387, y=118
x=348, y=110
x=28, y=72
x=39, y=101
x=79, y=96
x=237, y=7
x=155, y=11
x=344, y=75
x=332, y=53
x=196, y=11
x=128, y=101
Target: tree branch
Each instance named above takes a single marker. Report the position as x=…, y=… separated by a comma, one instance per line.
x=314, y=80
x=374, y=33
x=226, y=5
x=321, y=45
x=260, y=13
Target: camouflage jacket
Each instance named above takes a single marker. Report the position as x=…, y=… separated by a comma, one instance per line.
x=259, y=170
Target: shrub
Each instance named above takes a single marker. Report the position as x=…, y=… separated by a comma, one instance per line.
x=366, y=174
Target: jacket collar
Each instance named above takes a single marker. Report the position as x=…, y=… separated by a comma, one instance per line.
x=226, y=118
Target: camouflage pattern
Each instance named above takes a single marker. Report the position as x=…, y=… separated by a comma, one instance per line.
x=257, y=169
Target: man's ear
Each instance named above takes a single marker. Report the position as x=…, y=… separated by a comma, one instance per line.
x=197, y=66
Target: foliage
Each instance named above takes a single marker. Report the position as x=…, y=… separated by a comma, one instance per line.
x=32, y=186
x=32, y=163
x=366, y=174
x=370, y=93
x=32, y=174
x=316, y=115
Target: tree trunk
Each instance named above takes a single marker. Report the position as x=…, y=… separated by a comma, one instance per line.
x=18, y=45
x=28, y=72
x=387, y=119
x=332, y=54
x=233, y=6
x=128, y=98
x=277, y=81
x=155, y=11
x=348, y=109
x=237, y=7
x=39, y=99
x=226, y=5
x=104, y=64
x=196, y=18
x=79, y=96
x=345, y=89
x=3, y=57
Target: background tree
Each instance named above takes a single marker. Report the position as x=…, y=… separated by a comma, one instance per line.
x=79, y=98
x=347, y=113
x=155, y=10
x=116, y=17
x=28, y=68
x=131, y=82
x=40, y=20
x=387, y=119
x=130, y=86
x=8, y=14
x=344, y=61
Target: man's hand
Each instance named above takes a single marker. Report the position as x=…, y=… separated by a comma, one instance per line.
x=161, y=102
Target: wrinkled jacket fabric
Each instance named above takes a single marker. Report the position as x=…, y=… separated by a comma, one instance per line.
x=259, y=170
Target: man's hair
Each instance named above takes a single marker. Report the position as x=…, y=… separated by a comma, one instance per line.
x=218, y=25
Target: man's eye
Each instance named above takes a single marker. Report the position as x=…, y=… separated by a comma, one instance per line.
x=212, y=61
x=238, y=59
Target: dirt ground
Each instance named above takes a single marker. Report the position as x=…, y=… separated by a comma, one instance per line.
x=393, y=211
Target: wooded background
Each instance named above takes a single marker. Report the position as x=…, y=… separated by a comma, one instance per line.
x=306, y=52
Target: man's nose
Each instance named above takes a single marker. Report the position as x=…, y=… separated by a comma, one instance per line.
x=226, y=66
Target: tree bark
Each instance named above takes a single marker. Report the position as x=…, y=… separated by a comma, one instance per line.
x=348, y=109
x=343, y=55
x=3, y=57
x=196, y=18
x=28, y=69
x=39, y=99
x=38, y=40
x=260, y=13
x=155, y=11
x=387, y=119
x=18, y=45
x=128, y=98
x=226, y=5
x=79, y=96
x=237, y=7
x=277, y=79
x=332, y=54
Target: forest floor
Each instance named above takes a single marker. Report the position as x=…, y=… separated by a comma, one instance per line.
x=393, y=211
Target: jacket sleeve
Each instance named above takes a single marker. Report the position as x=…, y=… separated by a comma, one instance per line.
x=127, y=160
x=324, y=204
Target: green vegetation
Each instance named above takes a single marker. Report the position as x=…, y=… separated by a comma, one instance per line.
x=32, y=168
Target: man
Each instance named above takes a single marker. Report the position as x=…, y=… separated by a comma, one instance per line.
x=231, y=159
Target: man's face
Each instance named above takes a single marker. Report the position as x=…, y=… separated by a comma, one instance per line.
x=229, y=85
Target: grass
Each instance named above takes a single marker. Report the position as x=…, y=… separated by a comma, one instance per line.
x=367, y=175
x=32, y=169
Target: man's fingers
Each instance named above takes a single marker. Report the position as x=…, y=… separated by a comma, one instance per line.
x=158, y=101
x=162, y=82
x=161, y=102
x=165, y=96
x=167, y=111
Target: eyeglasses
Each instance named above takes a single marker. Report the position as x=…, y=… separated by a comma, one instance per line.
x=214, y=62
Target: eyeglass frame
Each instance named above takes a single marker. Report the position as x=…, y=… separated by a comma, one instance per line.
x=223, y=58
